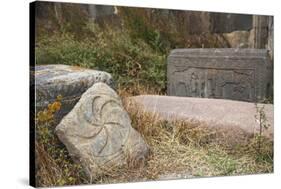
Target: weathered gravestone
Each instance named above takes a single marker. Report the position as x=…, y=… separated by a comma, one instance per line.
x=68, y=81
x=98, y=133
x=238, y=74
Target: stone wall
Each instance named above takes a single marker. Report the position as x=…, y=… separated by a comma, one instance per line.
x=179, y=27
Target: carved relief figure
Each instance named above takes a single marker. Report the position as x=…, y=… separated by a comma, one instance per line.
x=214, y=83
x=235, y=84
x=244, y=85
x=194, y=84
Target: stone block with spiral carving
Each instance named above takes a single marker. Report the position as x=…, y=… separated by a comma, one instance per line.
x=98, y=133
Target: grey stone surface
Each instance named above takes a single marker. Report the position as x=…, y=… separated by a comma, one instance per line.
x=260, y=30
x=235, y=116
x=238, y=74
x=96, y=11
x=191, y=22
x=98, y=132
x=68, y=81
x=227, y=22
x=270, y=43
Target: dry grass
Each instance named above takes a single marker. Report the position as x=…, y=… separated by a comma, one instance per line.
x=178, y=149
x=190, y=149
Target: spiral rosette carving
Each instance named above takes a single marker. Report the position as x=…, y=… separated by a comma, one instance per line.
x=105, y=124
x=98, y=132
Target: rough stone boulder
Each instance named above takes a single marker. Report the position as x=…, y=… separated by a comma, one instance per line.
x=233, y=116
x=238, y=39
x=68, y=81
x=98, y=133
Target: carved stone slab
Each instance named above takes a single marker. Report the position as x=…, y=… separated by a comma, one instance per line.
x=238, y=74
x=98, y=133
x=68, y=81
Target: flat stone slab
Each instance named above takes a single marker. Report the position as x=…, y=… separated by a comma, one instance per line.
x=218, y=113
x=237, y=74
x=97, y=132
x=68, y=81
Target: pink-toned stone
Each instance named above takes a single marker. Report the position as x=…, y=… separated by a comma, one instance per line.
x=214, y=112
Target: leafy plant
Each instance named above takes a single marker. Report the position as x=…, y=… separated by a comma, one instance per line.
x=54, y=167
